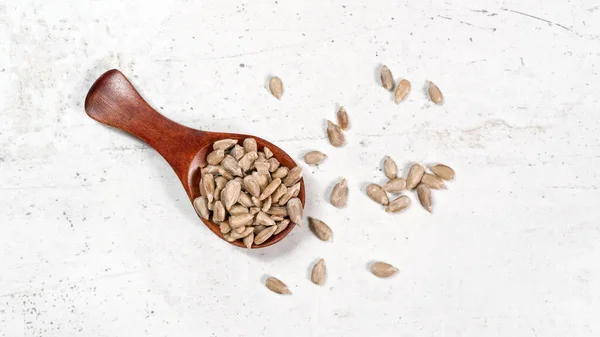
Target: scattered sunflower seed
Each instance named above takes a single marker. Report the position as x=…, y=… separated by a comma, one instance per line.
x=433, y=181
x=342, y=117
x=389, y=168
x=314, y=157
x=335, y=135
x=387, y=80
x=320, y=229
x=424, y=194
x=377, y=194
x=402, y=91
x=395, y=185
x=276, y=87
x=319, y=273
x=382, y=269
x=398, y=204
x=339, y=195
x=414, y=176
x=435, y=94
x=443, y=171
x=277, y=286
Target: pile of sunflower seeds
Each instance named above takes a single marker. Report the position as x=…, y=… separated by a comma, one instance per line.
x=417, y=179
x=248, y=193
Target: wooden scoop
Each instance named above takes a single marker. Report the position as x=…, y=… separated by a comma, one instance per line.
x=112, y=100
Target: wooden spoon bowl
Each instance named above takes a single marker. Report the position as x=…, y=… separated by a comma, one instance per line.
x=112, y=100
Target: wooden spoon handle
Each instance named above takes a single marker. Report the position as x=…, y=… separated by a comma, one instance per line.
x=112, y=100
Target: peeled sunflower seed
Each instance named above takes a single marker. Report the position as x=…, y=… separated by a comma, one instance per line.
x=243, y=234
x=259, y=228
x=402, y=91
x=377, y=194
x=224, y=227
x=262, y=167
x=435, y=94
x=281, y=226
x=293, y=176
x=239, y=230
x=387, y=80
x=267, y=204
x=209, y=169
x=279, y=192
x=231, y=165
x=231, y=193
x=220, y=182
x=281, y=172
x=424, y=194
x=389, y=168
x=201, y=207
x=251, y=185
x=319, y=273
x=277, y=286
x=256, y=202
x=414, y=176
x=278, y=210
x=443, y=171
x=245, y=200
x=273, y=164
x=320, y=229
x=227, y=236
x=395, y=185
x=268, y=152
x=262, y=179
x=215, y=157
x=264, y=235
x=263, y=219
x=433, y=181
x=382, y=269
x=247, y=160
x=224, y=144
x=398, y=204
x=240, y=220
x=237, y=152
x=219, y=212
x=335, y=135
x=295, y=210
x=314, y=157
x=208, y=183
x=248, y=240
x=270, y=189
x=254, y=210
x=339, y=195
x=276, y=87
x=250, y=145
x=223, y=172
x=238, y=209
x=342, y=117
x=276, y=218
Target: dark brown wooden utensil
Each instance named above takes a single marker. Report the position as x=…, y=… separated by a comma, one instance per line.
x=112, y=100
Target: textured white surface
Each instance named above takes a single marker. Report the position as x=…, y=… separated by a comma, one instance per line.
x=97, y=237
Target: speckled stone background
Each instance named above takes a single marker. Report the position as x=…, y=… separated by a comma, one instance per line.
x=97, y=237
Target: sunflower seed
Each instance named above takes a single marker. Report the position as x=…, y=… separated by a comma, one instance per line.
x=319, y=273
x=339, y=195
x=236, y=221
x=395, y=185
x=433, y=181
x=220, y=182
x=209, y=169
x=435, y=94
x=208, y=183
x=254, y=210
x=263, y=219
x=314, y=157
x=261, y=157
x=276, y=87
x=259, y=228
x=382, y=269
x=414, y=176
x=256, y=202
x=224, y=144
x=342, y=118
x=276, y=218
x=219, y=212
x=239, y=230
x=243, y=234
x=231, y=193
x=262, y=179
x=270, y=188
x=250, y=145
x=278, y=210
x=264, y=235
x=377, y=194
x=231, y=165
x=398, y=204
x=267, y=204
x=227, y=236
x=295, y=210
x=262, y=167
x=252, y=185
x=402, y=91
x=389, y=168
x=201, y=207
x=443, y=171
x=281, y=226
x=335, y=135
x=223, y=172
x=237, y=152
x=293, y=176
x=248, y=160
x=277, y=286
x=245, y=200
x=224, y=227
x=238, y=210
x=387, y=80
x=248, y=240
x=273, y=164
x=424, y=194
x=268, y=152
x=279, y=192
x=210, y=205
x=320, y=229
x=215, y=157
x=280, y=173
